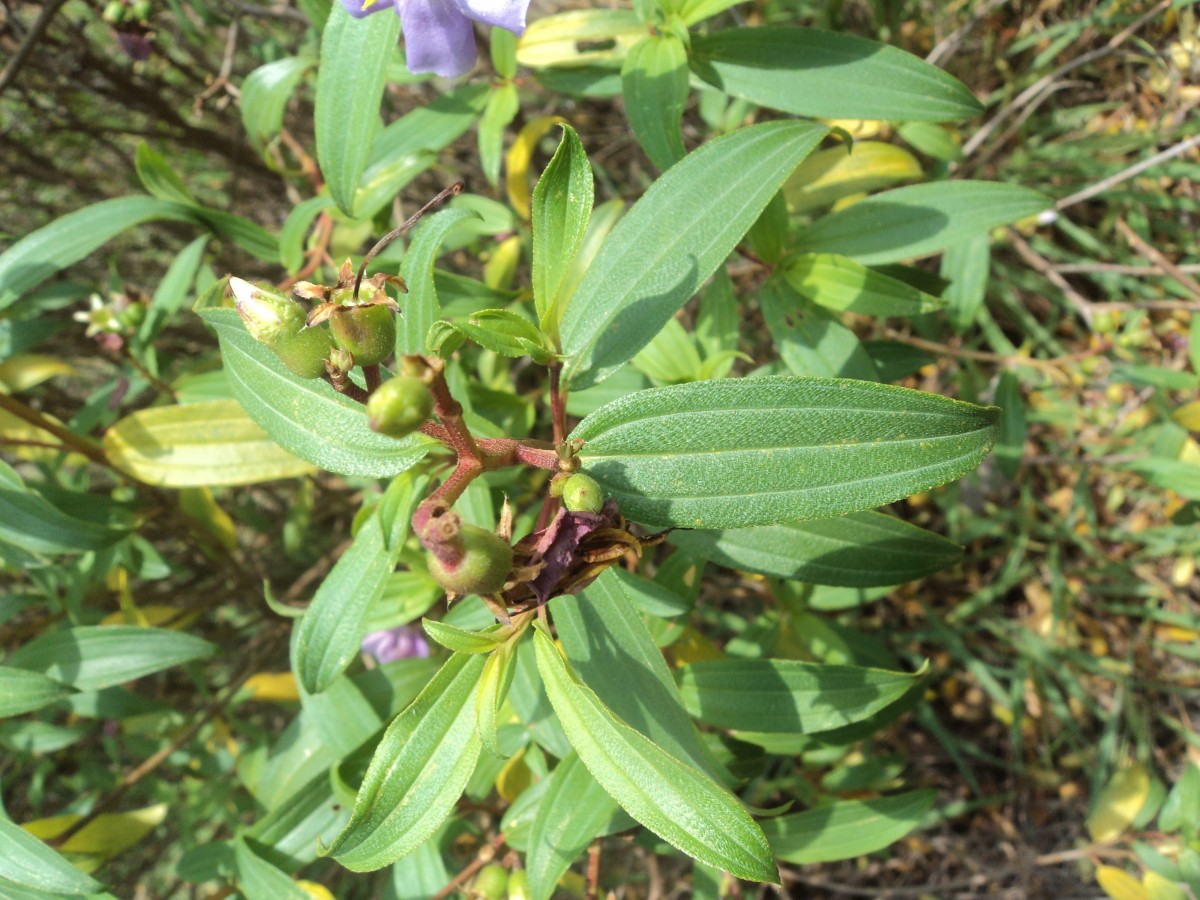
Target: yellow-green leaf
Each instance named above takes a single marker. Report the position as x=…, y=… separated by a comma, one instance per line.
x=105, y=836
x=556, y=40
x=209, y=443
x=1118, y=803
x=1119, y=884
x=829, y=175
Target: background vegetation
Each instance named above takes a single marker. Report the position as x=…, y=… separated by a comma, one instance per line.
x=1060, y=708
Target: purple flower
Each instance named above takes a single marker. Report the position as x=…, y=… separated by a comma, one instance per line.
x=438, y=36
x=395, y=643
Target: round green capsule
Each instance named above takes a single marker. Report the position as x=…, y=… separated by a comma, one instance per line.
x=399, y=406
x=484, y=566
x=581, y=493
x=368, y=332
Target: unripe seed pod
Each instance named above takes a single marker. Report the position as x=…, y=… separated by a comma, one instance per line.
x=368, y=332
x=114, y=12
x=491, y=883
x=581, y=493
x=142, y=10
x=464, y=559
x=305, y=352
x=399, y=406
x=270, y=317
x=518, y=885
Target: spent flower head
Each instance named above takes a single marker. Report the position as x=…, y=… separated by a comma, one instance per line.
x=438, y=35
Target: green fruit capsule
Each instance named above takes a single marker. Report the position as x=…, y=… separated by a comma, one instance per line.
x=305, y=353
x=114, y=12
x=368, y=332
x=483, y=563
x=270, y=317
x=581, y=493
x=491, y=883
x=143, y=10
x=518, y=885
x=399, y=406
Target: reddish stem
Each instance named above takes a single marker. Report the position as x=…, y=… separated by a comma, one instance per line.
x=558, y=406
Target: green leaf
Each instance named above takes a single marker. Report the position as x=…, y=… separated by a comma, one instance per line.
x=418, y=772
x=158, y=178
x=810, y=341
x=842, y=284
x=22, y=691
x=350, y=82
x=499, y=330
x=824, y=74
x=259, y=880
x=295, y=229
x=92, y=657
x=654, y=81
x=410, y=145
x=920, y=219
x=494, y=683
x=175, y=287
x=611, y=650
x=30, y=522
x=307, y=418
x=782, y=695
x=66, y=240
x=28, y=863
x=265, y=95
x=965, y=264
x=645, y=272
x=562, y=204
x=1010, y=445
x=863, y=549
x=330, y=634
x=760, y=451
x=462, y=640
x=200, y=444
x=420, y=305
x=573, y=812
x=846, y=829
x=678, y=803
x=502, y=107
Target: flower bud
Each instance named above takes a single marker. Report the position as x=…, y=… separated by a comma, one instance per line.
x=464, y=559
x=368, y=332
x=518, y=885
x=270, y=317
x=581, y=493
x=305, y=353
x=399, y=406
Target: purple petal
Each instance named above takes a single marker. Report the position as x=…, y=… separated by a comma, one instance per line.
x=437, y=38
x=508, y=14
x=395, y=643
x=356, y=8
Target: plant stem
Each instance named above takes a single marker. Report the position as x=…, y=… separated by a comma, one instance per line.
x=558, y=405
x=78, y=443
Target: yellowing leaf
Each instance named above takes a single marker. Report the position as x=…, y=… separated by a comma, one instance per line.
x=1160, y=888
x=25, y=370
x=316, y=891
x=201, y=444
x=200, y=506
x=499, y=271
x=830, y=175
x=859, y=129
x=105, y=836
x=516, y=163
x=1119, y=884
x=273, y=687
x=21, y=435
x=1118, y=804
x=514, y=778
x=156, y=615
x=561, y=39
x=692, y=647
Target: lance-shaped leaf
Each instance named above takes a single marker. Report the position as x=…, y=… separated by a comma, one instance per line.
x=35, y=869
x=494, y=683
x=808, y=72
x=759, y=451
x=654, y=80
x=461, y=640
x=847, y=829
x=418, y=772
x=920, y=219
x=678, y=803
x=839, y=283
x=562, y=204
x=265, y=95
x=330, y=633
x=783, y=695
x=645, y=272
x=22, y=691
x=260, y=880
x=350, y=81
x=574, y=811
x=198, y=444
x=420, y=305
x=307, y=418
x=32, y=523
x=862, y=549
x=94, y=657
